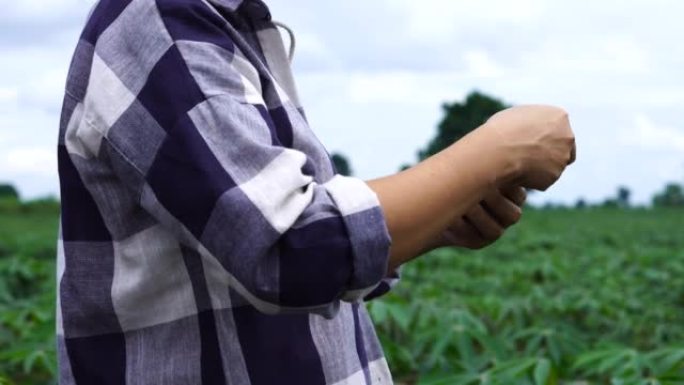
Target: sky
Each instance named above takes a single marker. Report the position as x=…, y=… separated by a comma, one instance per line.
x=372, y=76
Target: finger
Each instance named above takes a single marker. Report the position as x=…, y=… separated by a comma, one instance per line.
x=515, y=194
x=487, y=226
x=461, y=230
x=503, y=210
x=462, y=233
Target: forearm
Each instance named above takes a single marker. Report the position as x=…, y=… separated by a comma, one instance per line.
x=420, y=202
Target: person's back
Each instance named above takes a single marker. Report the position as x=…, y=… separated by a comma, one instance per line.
x=205, y=237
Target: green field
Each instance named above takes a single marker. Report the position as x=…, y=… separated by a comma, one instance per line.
x=566, y=297
x=28, y=240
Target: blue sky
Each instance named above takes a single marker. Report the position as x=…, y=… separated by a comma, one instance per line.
x=373, y=74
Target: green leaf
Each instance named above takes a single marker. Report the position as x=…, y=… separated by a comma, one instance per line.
x=593, y=358
x=666, y=359
x=465, y=349
x=553, y=348
x=542, y=372
x=400, y=315
x=378, y=311
x=514, y=369
x=439, y=347
x=444, y=379
x=30, y=360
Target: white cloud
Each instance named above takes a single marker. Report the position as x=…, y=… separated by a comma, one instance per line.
x=37, y=161
x=605, y=55
x=311, y=46
x=400, y=87
x=43, y=9
x=480, y=65
x=8, y=96
x=35, y=75
x=647, y=133
x=45, y=90
x=440, y=19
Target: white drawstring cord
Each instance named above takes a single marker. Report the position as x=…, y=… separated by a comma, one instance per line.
x=290, y=54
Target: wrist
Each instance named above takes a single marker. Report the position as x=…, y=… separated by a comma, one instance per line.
x=499, y=156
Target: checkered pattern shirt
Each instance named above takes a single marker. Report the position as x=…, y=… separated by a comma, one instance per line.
x=205, y=237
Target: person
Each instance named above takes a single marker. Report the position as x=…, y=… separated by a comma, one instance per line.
x=205, y=237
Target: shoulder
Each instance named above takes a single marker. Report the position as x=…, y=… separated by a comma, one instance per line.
x=131, y=37
x=135, y=22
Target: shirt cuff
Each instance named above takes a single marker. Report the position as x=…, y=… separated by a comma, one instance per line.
x=367, y=231
x=385, y=285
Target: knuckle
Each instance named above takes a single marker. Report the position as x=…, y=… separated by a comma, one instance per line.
x=544, y=184
x=496, y=233
x=559, y=112
x=516, y=215
x=559, y=172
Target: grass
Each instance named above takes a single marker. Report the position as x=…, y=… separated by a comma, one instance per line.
x=590, y=296
x=588, y=293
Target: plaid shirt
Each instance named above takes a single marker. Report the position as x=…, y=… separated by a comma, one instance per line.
x=205, y=237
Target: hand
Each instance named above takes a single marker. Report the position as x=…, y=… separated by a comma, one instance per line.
x=537, y=140
x=485, y=222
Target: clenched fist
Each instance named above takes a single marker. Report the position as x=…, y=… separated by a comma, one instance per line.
x=536, y=140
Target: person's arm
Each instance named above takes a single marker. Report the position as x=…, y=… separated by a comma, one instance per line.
x=480, y=227
x=421, y=201
x=528, y=146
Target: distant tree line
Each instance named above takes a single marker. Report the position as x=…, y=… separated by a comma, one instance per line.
x=8, y=192
x=673, y=195
x=10, y=202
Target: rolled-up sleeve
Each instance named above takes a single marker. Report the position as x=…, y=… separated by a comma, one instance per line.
x=203, y=153
x=385, y=285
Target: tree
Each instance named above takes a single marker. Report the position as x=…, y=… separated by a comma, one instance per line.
x=8, y=191
x=623, y=195
x=673, y=196
x=581, y=204
x=461, y=118
x=342, y=165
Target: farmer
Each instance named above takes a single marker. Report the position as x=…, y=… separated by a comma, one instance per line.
x=205, y=236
